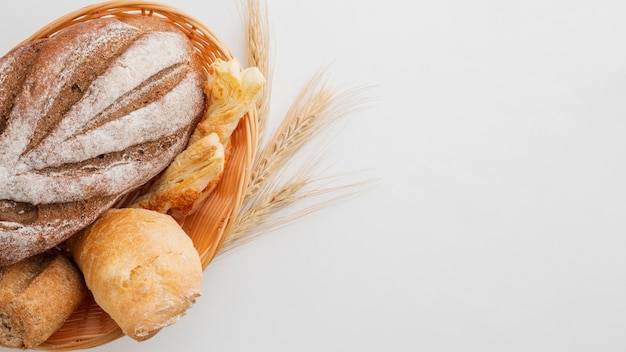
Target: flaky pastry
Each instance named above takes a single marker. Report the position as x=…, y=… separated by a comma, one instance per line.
x=232, y=91
x=187, y=181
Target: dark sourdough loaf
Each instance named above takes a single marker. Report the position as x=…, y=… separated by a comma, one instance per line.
x=88, y=115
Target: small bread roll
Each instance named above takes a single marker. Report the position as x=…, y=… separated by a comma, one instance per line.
x=141, y=268
x=37, y=295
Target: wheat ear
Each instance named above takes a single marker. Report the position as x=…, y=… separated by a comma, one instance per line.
x=316, y=108
x=270, y=209
x=258, y=55
x=270, y=191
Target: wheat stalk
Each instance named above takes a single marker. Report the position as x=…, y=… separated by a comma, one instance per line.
x=275, y=199
x=258, y=55
x=258, y=220
x=315, y=109
x=271, y=190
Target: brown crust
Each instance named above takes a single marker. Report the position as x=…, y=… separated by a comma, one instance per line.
x=14, y=77
x=47, y=225
x=90, y=68
x=37, y=295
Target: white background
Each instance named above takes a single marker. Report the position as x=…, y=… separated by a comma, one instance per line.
x=497, y=221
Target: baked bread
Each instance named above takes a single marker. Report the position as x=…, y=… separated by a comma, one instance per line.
x=188, y=180
x=88, y=115
x=193, y=175
x=141, y=268
x=37, y=295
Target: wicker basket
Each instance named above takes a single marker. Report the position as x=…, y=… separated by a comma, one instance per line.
x=89, y=326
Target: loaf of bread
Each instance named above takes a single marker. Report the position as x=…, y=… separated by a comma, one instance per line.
x=88, y=115
x=141, y=268
x=37, y=295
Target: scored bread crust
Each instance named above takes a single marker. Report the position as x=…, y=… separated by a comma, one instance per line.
x=88, y=115
x=141, y=267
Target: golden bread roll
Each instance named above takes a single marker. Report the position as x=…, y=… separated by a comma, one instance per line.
x=141, y=268
x=37, y=295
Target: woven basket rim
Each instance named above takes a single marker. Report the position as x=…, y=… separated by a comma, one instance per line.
x=115, y=7
x=236, y=176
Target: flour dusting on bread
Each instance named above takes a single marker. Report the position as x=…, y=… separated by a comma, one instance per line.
x=91, y=113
